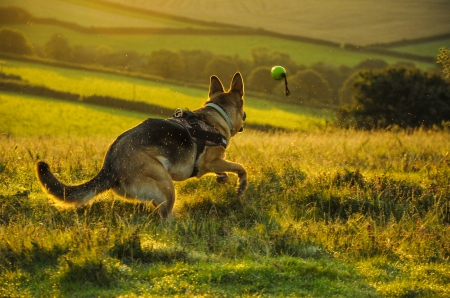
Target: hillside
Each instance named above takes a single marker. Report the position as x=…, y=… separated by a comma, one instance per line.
x=345, y=21
x=340, y=22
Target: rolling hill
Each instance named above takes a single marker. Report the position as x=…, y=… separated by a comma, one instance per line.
x=348, y=21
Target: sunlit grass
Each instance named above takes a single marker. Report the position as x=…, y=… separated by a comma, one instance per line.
x=293, y=233
x=327, y=211
x=29, y=116
x=282, y=238
x=90, y=83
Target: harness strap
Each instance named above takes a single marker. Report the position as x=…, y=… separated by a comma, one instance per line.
x=201, y=142
x=198, y=134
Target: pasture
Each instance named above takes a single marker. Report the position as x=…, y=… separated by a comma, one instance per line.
x=327, y=213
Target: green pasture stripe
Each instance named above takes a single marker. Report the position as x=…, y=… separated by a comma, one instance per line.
x=260, y=112
x=426, y=48
x=22, y=115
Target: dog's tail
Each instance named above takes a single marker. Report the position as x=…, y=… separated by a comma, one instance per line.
x=72, y=196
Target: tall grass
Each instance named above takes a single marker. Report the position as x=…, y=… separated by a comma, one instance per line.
x=331, y=213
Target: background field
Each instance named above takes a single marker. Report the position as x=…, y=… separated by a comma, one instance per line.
x=346, y=21
x=379, y=22
x=259, y=111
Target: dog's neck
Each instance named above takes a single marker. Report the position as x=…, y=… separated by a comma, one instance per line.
x=222, y=113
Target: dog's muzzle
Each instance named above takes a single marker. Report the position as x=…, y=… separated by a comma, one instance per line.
x=243, y=119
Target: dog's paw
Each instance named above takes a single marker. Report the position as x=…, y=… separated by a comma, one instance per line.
x=222, y=178
x=242, y=187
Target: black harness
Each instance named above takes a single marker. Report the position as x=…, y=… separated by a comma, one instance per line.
x=200, y=132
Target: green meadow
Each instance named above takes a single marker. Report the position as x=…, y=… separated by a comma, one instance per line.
x=328, y=212
x=430, y=48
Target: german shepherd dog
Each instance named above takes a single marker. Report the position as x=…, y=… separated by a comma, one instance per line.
x=143, y=162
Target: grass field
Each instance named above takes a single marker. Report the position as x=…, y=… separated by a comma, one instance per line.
x=330, y=213
x=30, y=116
x=431, y=48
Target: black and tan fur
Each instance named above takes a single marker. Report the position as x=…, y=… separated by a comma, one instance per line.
x=143, y=162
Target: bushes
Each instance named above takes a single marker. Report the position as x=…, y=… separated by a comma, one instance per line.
x=14, y=15
x=260, y=80
x=444, y=59
x=397, y=96
x=58, y=48
x=308, y=87
x=13, y=41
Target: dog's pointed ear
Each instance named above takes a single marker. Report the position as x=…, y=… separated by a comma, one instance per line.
x=237, y=84
x=215, y=85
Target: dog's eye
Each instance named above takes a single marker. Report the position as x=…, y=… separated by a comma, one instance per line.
x=244, y=117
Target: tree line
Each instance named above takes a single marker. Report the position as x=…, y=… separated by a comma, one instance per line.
x=319, y=83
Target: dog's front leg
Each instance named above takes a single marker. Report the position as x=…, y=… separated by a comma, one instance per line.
x=222, y=178
x=220, y=166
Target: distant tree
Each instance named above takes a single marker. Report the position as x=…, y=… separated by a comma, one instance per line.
x=404, y=64
x=102, y=54
x=260, y=80
x=260, y=56
x=308, y=87
x=58, y=48
x=372, y=64
x=346, y=91
x=444, y=59
x=103, y=50
x=333, y=76
x=222, y=66
x=83, y=55
x=13, y=41
x=397, y=96
x=167, y=64
x=14, y=15
x=122, y=59
x=195, y=61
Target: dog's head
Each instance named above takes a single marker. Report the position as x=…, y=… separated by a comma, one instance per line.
x=231, y=101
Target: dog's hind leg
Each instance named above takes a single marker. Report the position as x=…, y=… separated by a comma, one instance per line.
x=151, y=183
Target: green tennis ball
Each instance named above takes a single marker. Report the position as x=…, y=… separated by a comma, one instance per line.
x=278, y=72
